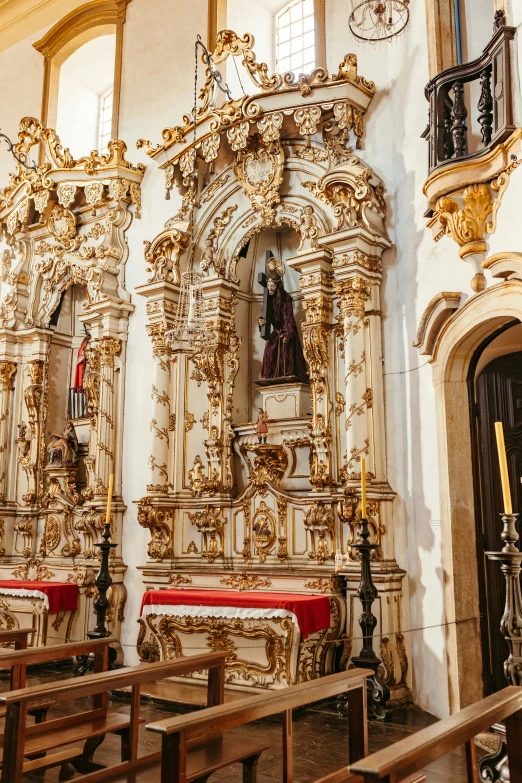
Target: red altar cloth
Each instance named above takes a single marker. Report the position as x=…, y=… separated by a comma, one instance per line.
x=60, y=596
x=311, y=611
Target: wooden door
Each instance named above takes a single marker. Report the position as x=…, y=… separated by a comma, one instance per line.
x=498, y=398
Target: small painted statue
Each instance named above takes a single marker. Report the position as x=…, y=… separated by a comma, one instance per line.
x=261, y=426
x=63, y=449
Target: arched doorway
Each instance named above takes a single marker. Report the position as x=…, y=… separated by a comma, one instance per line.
x=495, y=383
x=454, y=345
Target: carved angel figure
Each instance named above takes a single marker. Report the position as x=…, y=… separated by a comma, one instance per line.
x=63, y=449
x=196, y=478
x=308, y=228
x=207, y=263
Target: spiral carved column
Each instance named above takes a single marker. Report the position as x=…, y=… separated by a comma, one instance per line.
x=353, y=294
x=162, y=421
x=7, y=370
x=108, y=348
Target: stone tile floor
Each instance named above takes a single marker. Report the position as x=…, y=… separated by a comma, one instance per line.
x=320, y=740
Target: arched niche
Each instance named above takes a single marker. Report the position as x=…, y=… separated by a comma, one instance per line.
x=455, y=348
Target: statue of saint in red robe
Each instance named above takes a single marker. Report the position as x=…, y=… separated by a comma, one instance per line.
x=283, y=357
x=80, y=363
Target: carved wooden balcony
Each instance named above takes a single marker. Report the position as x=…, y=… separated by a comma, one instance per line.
x=451, y=109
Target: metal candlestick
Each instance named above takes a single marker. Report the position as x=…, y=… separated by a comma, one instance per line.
x=103, y=582
x=495, y=767
x=378, y=693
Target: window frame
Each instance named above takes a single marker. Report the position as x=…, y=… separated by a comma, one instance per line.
x=102, y=98
x=95, y=19
x=319, y=34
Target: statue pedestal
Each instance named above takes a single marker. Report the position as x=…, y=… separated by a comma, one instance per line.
x=286, y=400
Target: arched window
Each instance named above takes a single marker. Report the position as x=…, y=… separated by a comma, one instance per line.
x=82, y=74
x=295, y=42
x=85, y=97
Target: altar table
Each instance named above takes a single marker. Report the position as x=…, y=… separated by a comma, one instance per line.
x=273, y=639
x=311, y=613
x=19, y=598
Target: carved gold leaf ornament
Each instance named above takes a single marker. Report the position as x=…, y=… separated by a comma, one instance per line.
x=269, y=126
x=245, y=581
x=307, y=119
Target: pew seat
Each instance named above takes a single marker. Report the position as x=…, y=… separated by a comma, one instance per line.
x=203, y=759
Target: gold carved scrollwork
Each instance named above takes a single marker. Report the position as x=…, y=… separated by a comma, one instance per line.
x=7, y=370
x=245, y=582
x=210, y=524
x=163, y=256
x=259, y=170
x=319, y=522
x=220, y=636
x=270, y=463
x=108, y=348
x=157, y=521
x=33, y=569
x=179, y=579
x=349, y=509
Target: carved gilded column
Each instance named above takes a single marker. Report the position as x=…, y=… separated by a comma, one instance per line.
x=107, y=348
x=162, y=420
x=353, y=294
x=316, y=284
x=217, y=363
x=7, y=371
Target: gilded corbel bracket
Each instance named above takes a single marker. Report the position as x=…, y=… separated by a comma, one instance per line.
x=465, y=197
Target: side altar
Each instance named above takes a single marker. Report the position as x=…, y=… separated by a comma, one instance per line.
x=63, y=332
x=259, y=422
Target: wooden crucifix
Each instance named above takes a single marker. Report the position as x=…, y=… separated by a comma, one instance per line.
x=266, y=312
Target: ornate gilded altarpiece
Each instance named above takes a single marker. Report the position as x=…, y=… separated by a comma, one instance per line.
x=63, y=225
x=224, y=511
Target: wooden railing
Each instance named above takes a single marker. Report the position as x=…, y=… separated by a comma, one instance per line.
x=448, y=94
x=412, y=754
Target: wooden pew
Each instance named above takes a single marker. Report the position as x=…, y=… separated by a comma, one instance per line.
x=414, y=753
x=177, y=733
x=90, y=727
x=18, y=636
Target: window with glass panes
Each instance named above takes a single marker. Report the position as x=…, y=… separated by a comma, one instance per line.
x=295, y=37
x=104, y=133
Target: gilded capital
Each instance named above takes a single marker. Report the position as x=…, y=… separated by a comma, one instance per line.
x=318, y=309
x=7, y=370
x=156, y=333
x=108, y=348
x=35, y=369
x=353, y=295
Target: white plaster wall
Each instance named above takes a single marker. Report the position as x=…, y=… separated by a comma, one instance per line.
x=157, y=89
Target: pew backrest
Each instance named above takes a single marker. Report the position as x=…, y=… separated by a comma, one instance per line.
x=412, y=754
x=19, y=660
x=97, y=685
x=178, y=732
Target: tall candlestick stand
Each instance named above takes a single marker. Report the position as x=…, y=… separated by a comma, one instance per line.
x=495, y=767
x=103, y=582
x=378, y=693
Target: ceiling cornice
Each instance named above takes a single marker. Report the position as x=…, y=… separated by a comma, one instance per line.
x=20, y=19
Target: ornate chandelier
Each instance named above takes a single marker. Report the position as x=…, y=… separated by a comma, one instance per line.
x=190, y=330
x=378, y=20
x=189, y=327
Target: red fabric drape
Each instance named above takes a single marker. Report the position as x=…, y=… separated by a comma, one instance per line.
x=61, y=596
x=312, y=611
